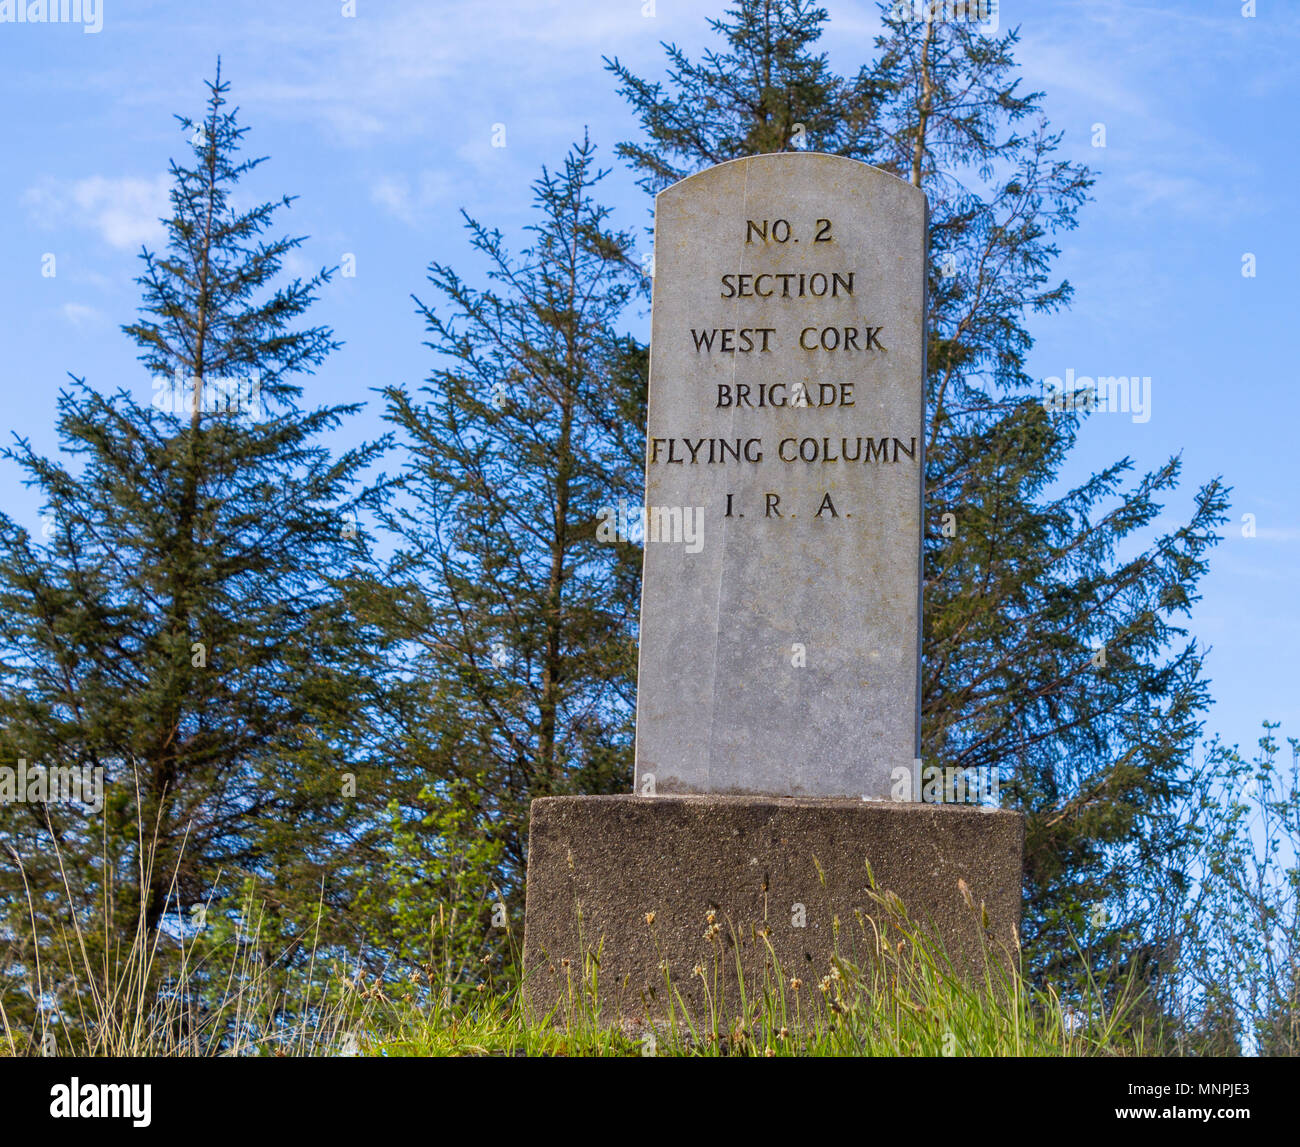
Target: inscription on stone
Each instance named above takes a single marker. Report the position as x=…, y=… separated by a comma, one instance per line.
x=780, y=642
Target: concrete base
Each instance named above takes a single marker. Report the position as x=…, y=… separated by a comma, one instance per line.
x=796, y=869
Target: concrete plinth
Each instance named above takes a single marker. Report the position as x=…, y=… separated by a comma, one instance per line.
x=786, y=867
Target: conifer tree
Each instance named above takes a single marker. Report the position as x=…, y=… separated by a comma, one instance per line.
x=179, y=622
x=1045, y=655
x=511, y=602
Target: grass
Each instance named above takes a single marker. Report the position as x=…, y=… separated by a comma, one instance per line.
x=907, y=1003
x=132, y=992
x=909, y=1000
x=101, y=987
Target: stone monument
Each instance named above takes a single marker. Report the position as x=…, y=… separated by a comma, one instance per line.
x=778, y=694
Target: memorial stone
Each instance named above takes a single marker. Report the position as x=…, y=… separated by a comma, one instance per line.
x=781, y=604
x=777, y=804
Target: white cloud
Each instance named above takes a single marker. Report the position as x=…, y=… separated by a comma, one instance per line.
x=415, y=69
x=80, y=315
x=1203, y=196
x=393, y=193
x=123, y=211
x=407, y=200
x=1128, y=66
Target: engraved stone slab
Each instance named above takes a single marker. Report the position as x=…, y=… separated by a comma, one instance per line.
x=780, y=614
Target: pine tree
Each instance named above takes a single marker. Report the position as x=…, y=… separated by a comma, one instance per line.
x=181, y=623
x=511, y=613
x=1045, y=656
x=766, y=92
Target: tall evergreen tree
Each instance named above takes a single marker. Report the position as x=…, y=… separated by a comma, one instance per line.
x=1045, y=655
x=180, y=625
x=511, y=614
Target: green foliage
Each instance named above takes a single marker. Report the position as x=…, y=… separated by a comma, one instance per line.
x=1045, y=656
x=901, y=998
x=317, y=773
x=766, y=91
x=510, y=625
x=180, y=625
x=1238, y=950
x=435, y=911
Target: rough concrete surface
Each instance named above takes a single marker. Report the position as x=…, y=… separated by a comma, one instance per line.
x=598, y=865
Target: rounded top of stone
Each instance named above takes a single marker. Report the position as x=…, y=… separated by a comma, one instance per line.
x=827, y=165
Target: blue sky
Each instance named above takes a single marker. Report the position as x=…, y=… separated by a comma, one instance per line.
x=383, y=123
